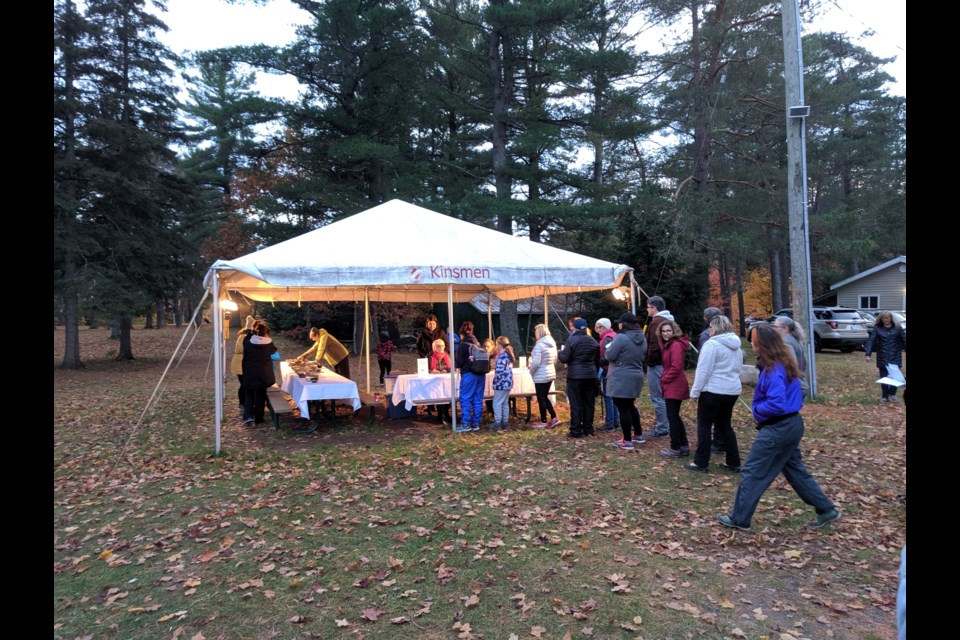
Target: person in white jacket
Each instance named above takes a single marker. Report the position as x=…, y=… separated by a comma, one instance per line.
x=543, y=370
x=716, y=386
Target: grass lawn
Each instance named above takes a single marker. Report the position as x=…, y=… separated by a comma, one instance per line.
x=407, y=530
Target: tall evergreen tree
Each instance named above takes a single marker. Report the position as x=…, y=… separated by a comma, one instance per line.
x=124, y=210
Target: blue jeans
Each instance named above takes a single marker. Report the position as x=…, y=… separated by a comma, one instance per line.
x=776, y=449
x=611, y=415
x=662, y=425
x=501, y=405
x=471, y=398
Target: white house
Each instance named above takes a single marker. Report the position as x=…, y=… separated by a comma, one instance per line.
x=882, y=287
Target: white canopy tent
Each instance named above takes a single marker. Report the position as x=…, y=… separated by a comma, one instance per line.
x=399, y=252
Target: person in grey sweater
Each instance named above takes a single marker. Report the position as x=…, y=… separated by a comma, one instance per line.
x=716, y=386
x=625, y=377
x=793, y=336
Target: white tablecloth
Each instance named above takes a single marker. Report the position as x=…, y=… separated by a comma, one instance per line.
x=434, y=388
x=329, y=386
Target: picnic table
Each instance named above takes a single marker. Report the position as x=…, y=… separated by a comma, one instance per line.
x=434, y=388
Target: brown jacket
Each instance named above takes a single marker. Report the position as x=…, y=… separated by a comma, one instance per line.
x=652, y=334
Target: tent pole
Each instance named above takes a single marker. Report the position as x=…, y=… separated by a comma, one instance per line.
x=633, y=294
x=453, y=355
x=366, y=330
x=489, y=315
x=217, y=362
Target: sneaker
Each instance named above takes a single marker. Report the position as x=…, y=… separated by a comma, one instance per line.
x=475, y=427
x=553, y=423
x=463, y=428
x=729, y=467
x=675, y=453
x=248, y=421
x=638, y=440
x=575, y=434
x=539, y=425
x=894, y=399
x=626, y=445
x=658, y=434
x=727, y=521
x=693, y=466
x=608, y=427
x=824, y=518
x=883, y=399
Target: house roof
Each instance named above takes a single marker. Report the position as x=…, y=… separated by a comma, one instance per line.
x=864, y=274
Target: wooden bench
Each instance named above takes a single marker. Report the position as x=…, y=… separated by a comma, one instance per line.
x=278, y=404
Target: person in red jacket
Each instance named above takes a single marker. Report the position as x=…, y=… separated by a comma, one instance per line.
x=676, y=389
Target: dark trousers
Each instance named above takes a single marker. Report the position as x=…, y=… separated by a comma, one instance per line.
x=886, y=390
x=343, y=368
x=629, y=417
x=775, y=450
x=255, y=401
x=678, y=430
x=716, y=410
x=582, y=394
x=384, y=368
x=543, y=400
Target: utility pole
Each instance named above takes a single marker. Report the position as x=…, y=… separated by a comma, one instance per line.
x=796, y=114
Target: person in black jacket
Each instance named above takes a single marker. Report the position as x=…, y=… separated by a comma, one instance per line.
x=889, y=341
x=581, y=354
x=257, y=372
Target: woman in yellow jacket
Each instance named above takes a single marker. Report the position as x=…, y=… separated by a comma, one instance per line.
x=328, y=349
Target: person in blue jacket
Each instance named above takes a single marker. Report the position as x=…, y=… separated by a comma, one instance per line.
x=776, y=408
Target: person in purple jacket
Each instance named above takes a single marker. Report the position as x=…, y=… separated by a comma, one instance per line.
x=776, y=409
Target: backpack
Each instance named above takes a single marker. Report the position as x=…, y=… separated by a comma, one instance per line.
x=479, y=362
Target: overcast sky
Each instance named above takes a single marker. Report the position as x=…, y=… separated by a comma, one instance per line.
x=196, y=25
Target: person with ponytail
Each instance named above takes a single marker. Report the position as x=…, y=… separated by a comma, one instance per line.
x=776, y=408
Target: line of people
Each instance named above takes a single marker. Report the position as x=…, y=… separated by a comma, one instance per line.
x=658, y=353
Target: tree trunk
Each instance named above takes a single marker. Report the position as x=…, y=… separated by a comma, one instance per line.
x=785, y=280
x=776, y=294
x=725, y=296
x=178, y=311
x=148, y=318
x=741, y=312
x=126, y=346
x=509, y=325
x=161, y=313
x=71, y=317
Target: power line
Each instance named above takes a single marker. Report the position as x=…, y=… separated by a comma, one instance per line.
x=868, y=27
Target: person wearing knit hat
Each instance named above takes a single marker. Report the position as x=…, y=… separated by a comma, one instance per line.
x=384, y=350
x=611, y=417
x=236, y=362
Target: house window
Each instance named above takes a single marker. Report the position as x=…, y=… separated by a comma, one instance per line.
x=869, y=302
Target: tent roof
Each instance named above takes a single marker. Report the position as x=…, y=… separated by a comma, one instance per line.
x=400, y=252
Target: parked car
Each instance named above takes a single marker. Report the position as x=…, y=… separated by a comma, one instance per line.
x=833, y=328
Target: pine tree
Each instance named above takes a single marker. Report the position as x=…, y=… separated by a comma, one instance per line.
x=121, y=203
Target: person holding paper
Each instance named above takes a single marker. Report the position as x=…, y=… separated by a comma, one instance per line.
x=889, y=341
